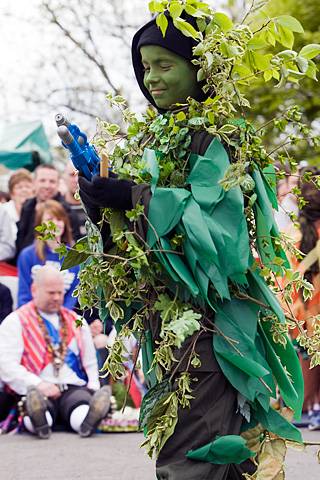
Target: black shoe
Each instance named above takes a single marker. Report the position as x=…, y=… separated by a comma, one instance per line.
x=99, y=407
x=36, y=407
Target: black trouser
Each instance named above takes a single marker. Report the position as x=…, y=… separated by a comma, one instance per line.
x=213, y=412
x=7, y=401
x=62, y=407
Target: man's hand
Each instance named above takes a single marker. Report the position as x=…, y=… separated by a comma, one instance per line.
x=96, y=327
x=50, y=390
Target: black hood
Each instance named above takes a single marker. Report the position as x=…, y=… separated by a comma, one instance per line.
x=174, y=40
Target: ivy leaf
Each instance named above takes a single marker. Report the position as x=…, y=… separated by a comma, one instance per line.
x=162, y=23
x=196, y=121
x=74, y=258
x=150, y=399
x=228, y=129
x=290, y=23
x=184, y=326
x=117, y=223
x=61, y=250
x=181, y=116
x=163, y=303
x=118, y=99
x=164, y=415
x=115, y=311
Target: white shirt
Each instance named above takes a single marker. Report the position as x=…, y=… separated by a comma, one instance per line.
x=8, y=235
x=19, y=378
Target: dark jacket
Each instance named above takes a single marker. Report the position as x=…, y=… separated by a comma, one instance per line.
x=25, y=235
x=5, y=302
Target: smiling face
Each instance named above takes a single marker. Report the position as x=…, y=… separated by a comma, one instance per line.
x=46, y=184
x=169, y=78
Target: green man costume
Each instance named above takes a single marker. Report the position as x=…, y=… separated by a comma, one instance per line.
x=239, y=366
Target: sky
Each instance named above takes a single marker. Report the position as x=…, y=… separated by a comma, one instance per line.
x=20, y=33
x=24, y=39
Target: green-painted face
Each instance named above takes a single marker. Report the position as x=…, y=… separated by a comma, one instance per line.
x=169, y=78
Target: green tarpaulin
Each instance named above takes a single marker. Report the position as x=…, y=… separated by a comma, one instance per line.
x=21, y=145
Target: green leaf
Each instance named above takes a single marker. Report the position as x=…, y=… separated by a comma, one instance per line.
x=181, y=116
x=155, y=7
x=256, y=44
x=302, y=63
x=175, y=9
x=162, y=23
x=111, y=128
x=290, y=23
x=267, y=75
x=196, y=121
x=310, y=51
x=117, y=222
x=74, y=258
x=312, y=70
x=285, y=36
x=227, y=129
x=184, y=326
x=115, y=311
x=150, y=399
x=119, y=100
x=193, y=11
x=186, y=28
x=223, y=21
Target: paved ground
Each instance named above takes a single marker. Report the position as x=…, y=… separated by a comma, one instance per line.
x=107, y=457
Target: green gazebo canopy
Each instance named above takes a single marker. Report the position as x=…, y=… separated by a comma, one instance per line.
x=23, y=144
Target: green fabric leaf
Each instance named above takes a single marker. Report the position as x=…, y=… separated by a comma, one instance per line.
x=282, y=360
x=222, y=451
x=243, y=362
x=276, y=423
x=169, y=200
x=151, y=165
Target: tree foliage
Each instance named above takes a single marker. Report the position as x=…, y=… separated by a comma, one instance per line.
x=267, y=101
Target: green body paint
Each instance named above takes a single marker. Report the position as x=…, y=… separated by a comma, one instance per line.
x=169, y=78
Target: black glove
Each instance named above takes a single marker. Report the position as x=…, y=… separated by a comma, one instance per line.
x=105, y=192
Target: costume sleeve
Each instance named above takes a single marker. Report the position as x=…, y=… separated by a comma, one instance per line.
x=12, y=372
x=24, y=278
x=89, y=358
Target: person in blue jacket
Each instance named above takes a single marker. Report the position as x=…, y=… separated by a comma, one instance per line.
x=42, y=252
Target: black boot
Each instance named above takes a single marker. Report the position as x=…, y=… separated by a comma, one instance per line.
x=36, y=407
x=99, y=407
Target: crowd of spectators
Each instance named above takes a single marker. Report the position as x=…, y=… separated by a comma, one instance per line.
x=32, y=200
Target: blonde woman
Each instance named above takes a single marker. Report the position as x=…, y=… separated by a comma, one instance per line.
x=41, y=253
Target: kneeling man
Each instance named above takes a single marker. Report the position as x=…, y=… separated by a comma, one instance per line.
x=45, y=357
